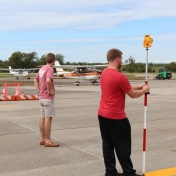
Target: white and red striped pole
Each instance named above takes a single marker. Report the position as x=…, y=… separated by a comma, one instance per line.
x=145, y=115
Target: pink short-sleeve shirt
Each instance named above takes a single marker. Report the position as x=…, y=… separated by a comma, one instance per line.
x=44, y=73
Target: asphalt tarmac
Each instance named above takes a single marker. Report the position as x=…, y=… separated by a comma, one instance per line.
x=58, y=81
x=76, y=129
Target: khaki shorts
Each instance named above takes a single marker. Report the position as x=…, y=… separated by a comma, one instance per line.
x=47, y=107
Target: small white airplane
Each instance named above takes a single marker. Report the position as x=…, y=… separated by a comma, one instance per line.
x=81, y=72
x=20, y=72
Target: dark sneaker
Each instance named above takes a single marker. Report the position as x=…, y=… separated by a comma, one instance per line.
x=119, y=174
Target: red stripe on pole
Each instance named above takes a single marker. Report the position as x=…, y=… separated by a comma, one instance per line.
x=145, y=100
x=144, y=140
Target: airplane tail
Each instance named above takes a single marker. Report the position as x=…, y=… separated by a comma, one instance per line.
x=10, y=70
x=58, y=69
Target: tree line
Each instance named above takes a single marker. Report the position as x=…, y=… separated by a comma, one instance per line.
x=31, y=60
x=132, y=66
x=27, y=60
x=171, y=66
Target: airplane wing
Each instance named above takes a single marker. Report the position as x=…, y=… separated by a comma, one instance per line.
x=78, y=66
x=65, y=66
x=5, y=69
x=105, y=65
x=99, y=65
x=25, y=69
x=81, y=66
x=69, y=66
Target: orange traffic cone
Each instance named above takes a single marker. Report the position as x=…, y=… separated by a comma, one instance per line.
x=18, y=90
x=4, y=91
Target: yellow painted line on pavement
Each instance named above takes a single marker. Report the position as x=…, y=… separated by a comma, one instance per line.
x=164, y=172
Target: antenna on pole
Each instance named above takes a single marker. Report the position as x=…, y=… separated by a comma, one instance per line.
x=146, y=44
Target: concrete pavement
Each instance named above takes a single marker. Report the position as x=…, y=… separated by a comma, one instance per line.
x=76, y=129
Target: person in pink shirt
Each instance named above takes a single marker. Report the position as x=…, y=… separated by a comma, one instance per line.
x=44, y=84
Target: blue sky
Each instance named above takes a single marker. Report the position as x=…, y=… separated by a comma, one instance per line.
x=85, y=31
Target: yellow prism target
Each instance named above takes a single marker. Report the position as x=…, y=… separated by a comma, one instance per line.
x=147, y=41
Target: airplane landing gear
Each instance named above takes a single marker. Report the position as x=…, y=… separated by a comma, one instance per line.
x=95, y=82
x=77, y=83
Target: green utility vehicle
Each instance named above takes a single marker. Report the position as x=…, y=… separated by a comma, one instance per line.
x=163, y=74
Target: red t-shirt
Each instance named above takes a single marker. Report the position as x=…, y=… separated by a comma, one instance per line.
x=114, y=86
x=44, y=73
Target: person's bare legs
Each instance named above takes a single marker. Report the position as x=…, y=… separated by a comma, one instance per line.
x=47, y=127
x=41, y=126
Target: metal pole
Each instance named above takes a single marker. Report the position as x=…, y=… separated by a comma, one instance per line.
x=145, y=115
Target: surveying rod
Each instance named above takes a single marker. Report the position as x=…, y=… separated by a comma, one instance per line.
x=145, y=116
x=147, y=43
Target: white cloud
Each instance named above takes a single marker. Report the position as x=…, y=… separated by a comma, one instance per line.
x=168, y=61
x=71, y=40
x=30, y=14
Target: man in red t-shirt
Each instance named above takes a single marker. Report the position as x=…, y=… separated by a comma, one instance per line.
x=45, y=86
x=114, y=125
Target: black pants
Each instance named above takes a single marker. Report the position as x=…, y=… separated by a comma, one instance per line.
x=116, y=134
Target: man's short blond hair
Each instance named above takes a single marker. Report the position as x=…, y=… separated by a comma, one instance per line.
x=113, y=53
